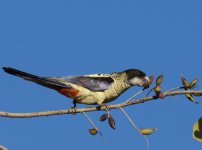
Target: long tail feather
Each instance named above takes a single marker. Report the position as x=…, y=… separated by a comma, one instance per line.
x=39, y=80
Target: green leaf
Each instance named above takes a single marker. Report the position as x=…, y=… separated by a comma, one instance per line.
x=191, y=98
x=185, y=82
x=193, y=83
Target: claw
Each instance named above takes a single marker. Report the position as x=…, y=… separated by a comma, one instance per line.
x=103, y=105
x=74, y=107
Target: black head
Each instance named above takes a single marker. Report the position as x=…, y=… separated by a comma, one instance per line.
x=136, y=76
x=131, y=73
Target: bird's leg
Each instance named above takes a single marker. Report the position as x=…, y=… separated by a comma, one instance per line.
x=74, y=106
x=74, y=103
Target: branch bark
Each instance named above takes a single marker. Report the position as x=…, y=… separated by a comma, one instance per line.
x=89, y=109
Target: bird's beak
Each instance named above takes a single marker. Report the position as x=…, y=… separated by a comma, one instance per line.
x=147, y=79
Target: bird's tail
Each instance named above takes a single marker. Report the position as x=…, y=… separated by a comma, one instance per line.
x=50, y=83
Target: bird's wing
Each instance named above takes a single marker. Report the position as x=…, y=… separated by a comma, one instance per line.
x=93, y=83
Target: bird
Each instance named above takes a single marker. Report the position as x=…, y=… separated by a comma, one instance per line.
x=92, y=89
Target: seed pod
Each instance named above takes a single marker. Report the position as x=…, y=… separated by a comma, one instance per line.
x=193, y=83
x=185, y=82
x=191, y=98
x=147, y=131
x=157, y=89
x=93, y=131
x=103, y=117
x=111, y=122
x=159, y=80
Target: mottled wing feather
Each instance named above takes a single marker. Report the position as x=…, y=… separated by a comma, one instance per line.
x=91, y=83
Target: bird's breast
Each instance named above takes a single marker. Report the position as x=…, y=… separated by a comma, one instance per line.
x=115, y=91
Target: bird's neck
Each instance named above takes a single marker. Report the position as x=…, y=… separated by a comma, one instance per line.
x=119, y=86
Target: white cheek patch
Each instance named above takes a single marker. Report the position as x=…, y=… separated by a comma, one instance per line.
x=136, y=81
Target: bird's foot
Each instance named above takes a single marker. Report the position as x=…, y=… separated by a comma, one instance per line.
x=100, y=106
x=73, y=110
x=105, y=106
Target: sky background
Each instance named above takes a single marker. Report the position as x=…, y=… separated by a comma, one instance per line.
x=57, y=38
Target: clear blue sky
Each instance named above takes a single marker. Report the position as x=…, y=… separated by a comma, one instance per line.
x=56, y=38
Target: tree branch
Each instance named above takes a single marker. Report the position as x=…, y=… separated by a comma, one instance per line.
x=89, y=109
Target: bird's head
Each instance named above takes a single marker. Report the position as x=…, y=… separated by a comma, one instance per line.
x=136, y=77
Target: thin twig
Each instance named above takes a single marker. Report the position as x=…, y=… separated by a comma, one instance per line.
x=90, y=120
x=134, y=95
x=93, y=124
x=174, y=89
x=107, y=110
x=108, y=113
x=133, y=124
x=149, y=92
